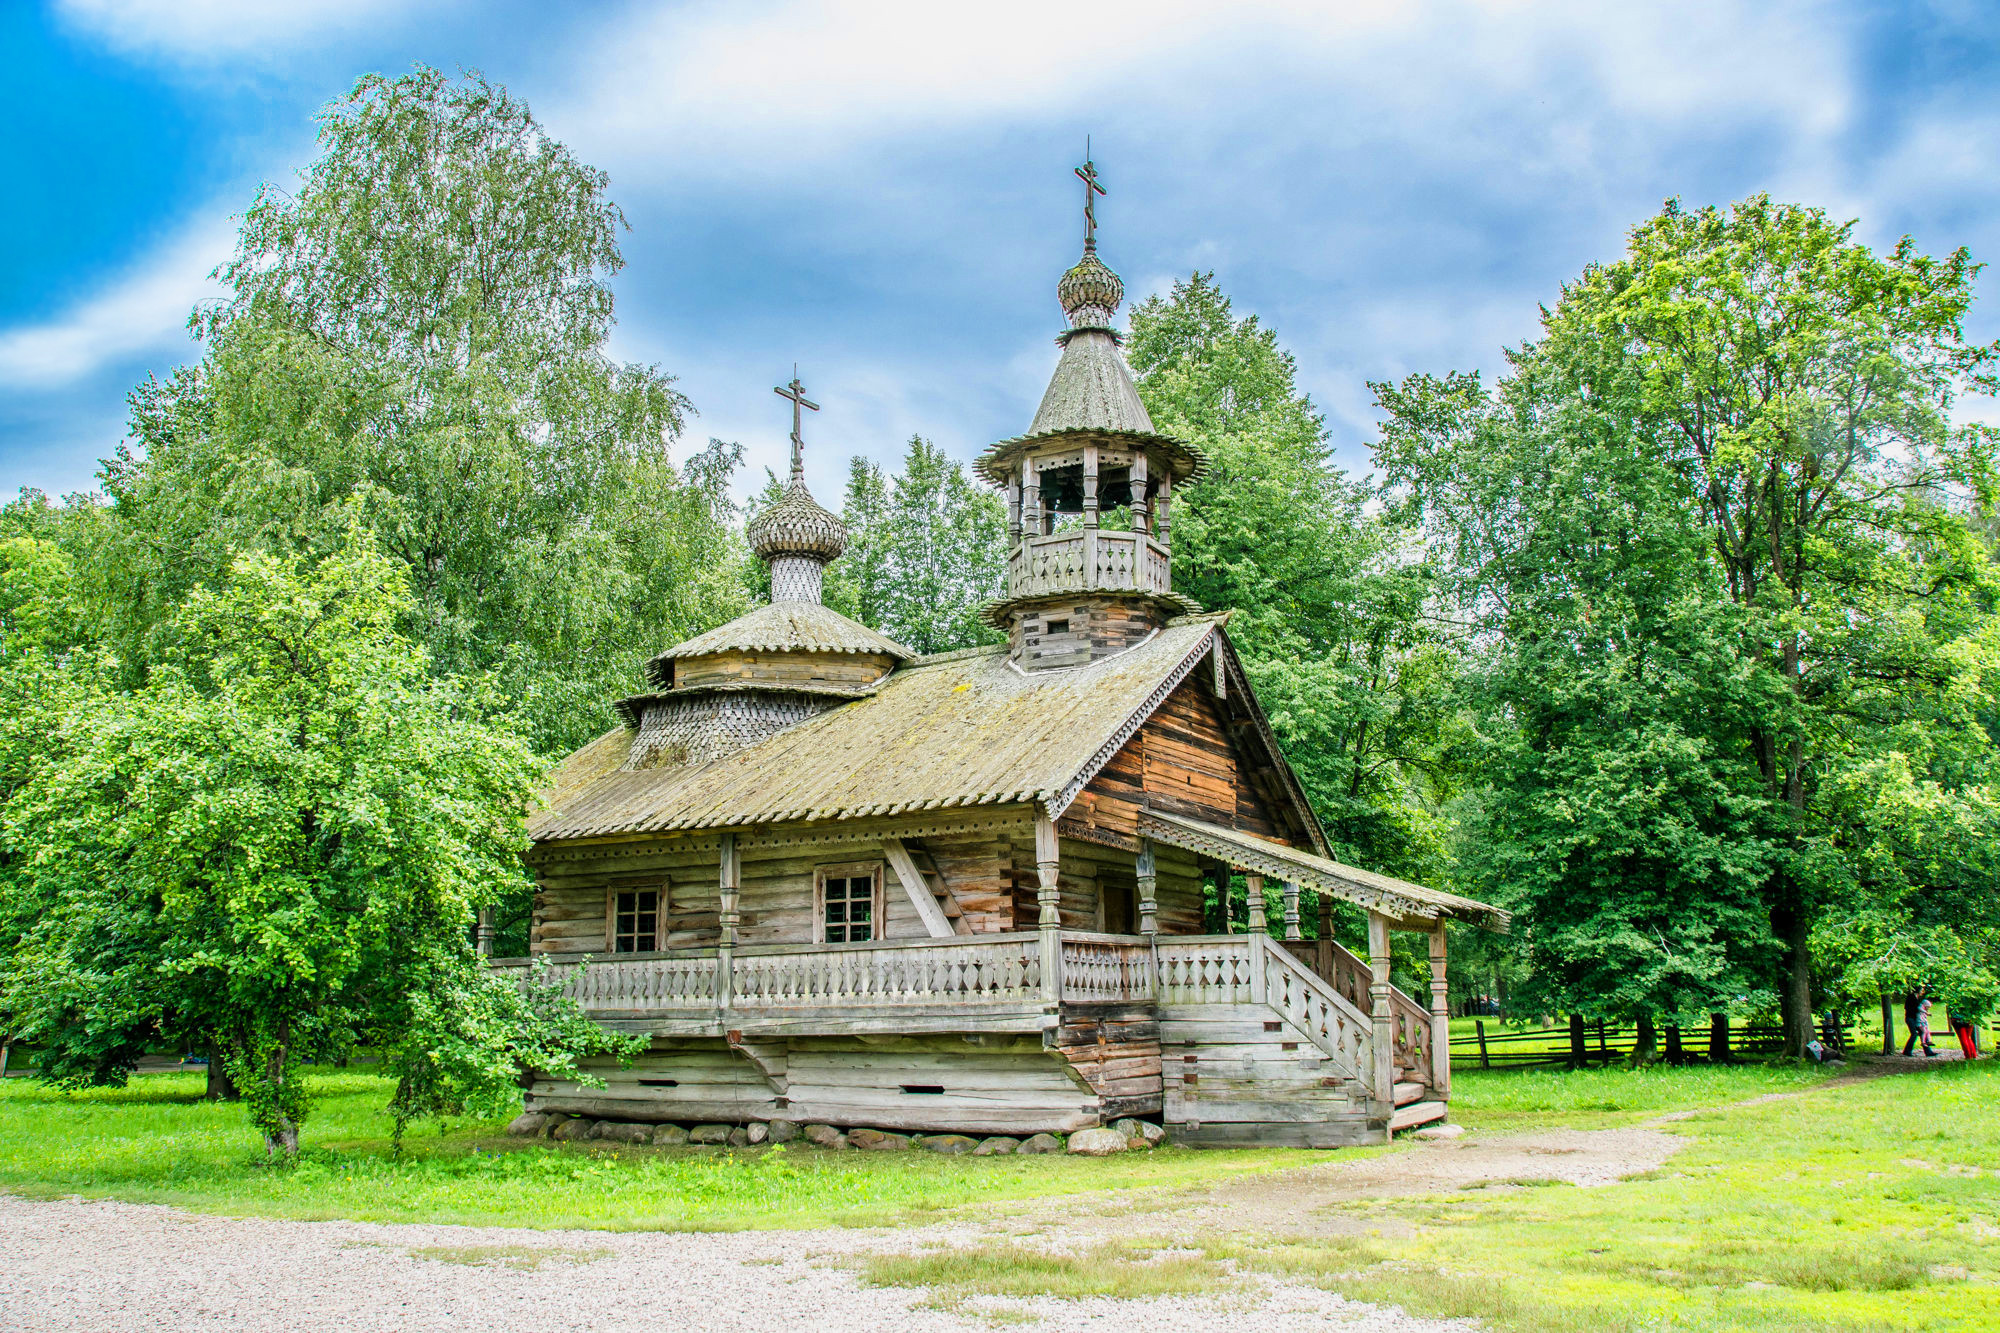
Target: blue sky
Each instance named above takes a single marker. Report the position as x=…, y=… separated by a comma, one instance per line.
x=882, y=192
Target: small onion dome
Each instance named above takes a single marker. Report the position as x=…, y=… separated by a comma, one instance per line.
x=796, y=524
x=1090, y=292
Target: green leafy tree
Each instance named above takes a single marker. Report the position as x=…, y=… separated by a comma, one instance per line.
x=1723, y=498
x=418, y=334
x=925, y=551
x=280, y=856
x=1330, y=602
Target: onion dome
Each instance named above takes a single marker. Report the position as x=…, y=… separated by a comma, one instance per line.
x=1090, y=292
x=797, y=524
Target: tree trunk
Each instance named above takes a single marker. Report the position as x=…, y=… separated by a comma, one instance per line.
x=1645, y=1045
x=221, y=1088
x=1718, y=1039
x=1888, y=1027
x=1675, y=1055
x=1798, y=985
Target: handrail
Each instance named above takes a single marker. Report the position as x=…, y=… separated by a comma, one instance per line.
x=1328, y=1018
x=1351, y=977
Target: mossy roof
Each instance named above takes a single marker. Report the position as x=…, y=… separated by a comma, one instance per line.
x=960, y=729
x=784, y=627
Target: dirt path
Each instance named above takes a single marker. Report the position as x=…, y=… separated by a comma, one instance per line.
x=111, y=1267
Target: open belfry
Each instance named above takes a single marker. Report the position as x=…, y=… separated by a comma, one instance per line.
x=841, y=884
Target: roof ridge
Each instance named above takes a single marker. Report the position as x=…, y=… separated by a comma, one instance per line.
x=954, y=654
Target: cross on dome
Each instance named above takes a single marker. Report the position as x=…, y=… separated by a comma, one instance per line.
x=797, y=393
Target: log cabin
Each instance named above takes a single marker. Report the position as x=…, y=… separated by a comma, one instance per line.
x=834, y=881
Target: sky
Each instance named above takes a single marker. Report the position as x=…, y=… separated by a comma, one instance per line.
x=882, y=193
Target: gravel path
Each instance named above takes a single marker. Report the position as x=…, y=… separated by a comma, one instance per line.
x=103, y=1266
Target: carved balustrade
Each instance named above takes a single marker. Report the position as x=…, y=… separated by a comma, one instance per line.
x=1087, y=560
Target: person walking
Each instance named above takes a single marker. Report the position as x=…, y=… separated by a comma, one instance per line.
x=1917, y=1018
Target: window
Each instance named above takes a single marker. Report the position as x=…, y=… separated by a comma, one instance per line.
x=635, y=921
x=850, y=908
x=1058, y=627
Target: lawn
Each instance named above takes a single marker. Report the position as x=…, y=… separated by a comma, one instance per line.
x=1859, y=1206
x=1844, y=1205
x=156, y=1141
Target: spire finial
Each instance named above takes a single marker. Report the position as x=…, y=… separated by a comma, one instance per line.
x=1087, y=173
x=797, y=393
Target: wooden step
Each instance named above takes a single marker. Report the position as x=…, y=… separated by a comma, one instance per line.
x=1409, y=1092
x=1421, y=1113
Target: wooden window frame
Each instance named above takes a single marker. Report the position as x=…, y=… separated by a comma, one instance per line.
x=851, y=870
x=663, y=898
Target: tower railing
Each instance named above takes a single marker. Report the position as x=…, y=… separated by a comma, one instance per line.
x=1078, y=560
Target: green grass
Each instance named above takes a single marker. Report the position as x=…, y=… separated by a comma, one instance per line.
x=1105, y=1269
x=1608, y=1098
x=1866, y=1206
x=155, y=1141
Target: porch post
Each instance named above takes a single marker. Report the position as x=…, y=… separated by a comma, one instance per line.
x=1258, y=925
x=482, y=934
x=1013, y=513
x=1149, y=889
x=727, y=919
x=1048, y=870
x=1440, y=1017
x=1031, y=499
x=1291, y=892
x=1325, y=934
x=1163, y=510
x=1384, y=1066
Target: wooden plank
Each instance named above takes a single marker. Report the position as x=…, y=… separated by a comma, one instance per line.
x=1420, y=1113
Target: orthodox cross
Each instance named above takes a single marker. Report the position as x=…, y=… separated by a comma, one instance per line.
x=1087, y=173
x=797, y=393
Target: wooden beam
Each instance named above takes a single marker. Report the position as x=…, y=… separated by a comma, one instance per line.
x=915, y=886
x=1440, y=1019
x=1382, y=1084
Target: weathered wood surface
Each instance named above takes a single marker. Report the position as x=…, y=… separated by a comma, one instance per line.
x=835, y=669
x=1349, y=976
x=1080, y=560
x=1185, y=759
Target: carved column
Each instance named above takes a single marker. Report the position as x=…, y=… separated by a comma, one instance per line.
x=1291, y=892
x=728, y=919
x=1149, y=889
x=1383, y=1067
x=1440, y=1017
x=1163, y=516
x=1142, y=506
x=1048, y=873
x=1258, y=925
x=1325, y=933
x=1090, y=515
x=482, y=935
x=1013, y=513
x=1031, y=499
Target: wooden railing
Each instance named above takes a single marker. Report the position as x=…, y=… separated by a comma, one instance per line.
x=1350, y=977
x=1081, y=559
x=1339, y=1028
x=1099, y=969
x=903, y=972
x=1205, y=969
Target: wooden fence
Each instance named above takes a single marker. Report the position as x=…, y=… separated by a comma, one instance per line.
x=1581, y=1044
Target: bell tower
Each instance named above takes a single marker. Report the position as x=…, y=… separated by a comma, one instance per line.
x=1089, y=489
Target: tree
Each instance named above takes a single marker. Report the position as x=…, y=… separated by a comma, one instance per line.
x=1330, y=602
x=280, y=856
x=925, y=552
x=1763, y=407
x=418, y=335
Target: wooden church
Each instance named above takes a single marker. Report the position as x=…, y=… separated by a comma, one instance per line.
x=838, y=882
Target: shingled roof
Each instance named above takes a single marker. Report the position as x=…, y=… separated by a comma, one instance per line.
x=964, y=729
x=784, y=627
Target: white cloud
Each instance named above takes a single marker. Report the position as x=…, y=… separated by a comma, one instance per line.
x=206, y=29
x=762, y=90
x=144, y=310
